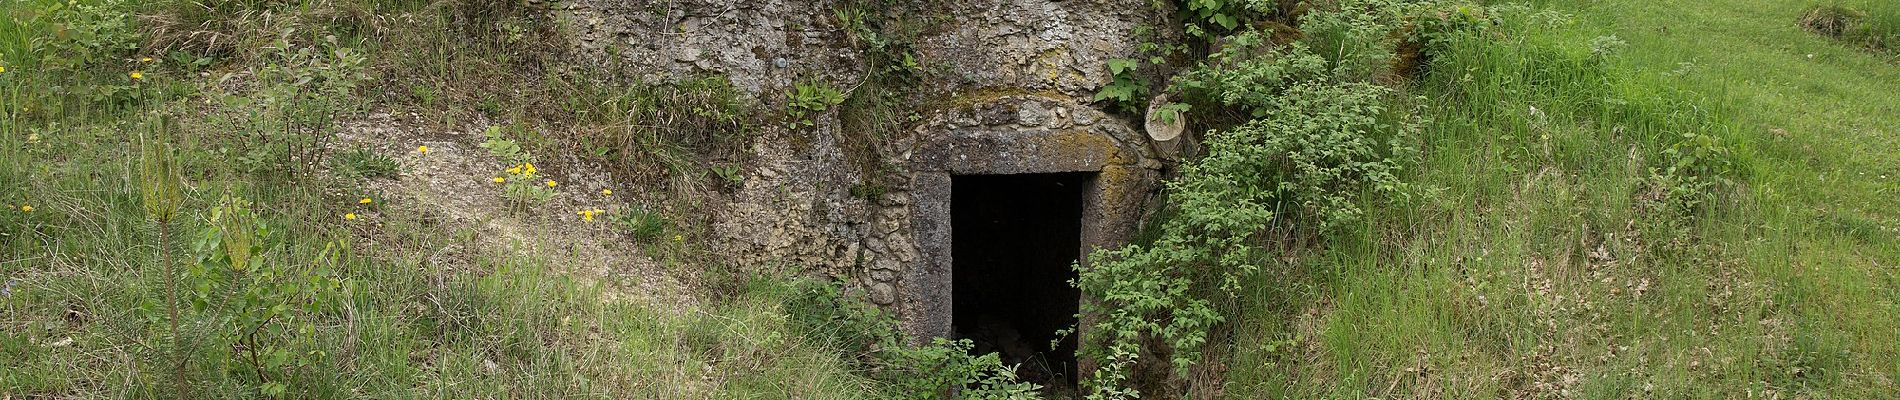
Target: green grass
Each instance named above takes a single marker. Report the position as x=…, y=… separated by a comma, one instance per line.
x=1544, y=257
x=1880, y=29
x=83, y=316
x=1488, y=286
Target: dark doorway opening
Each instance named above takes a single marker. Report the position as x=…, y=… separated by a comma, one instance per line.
x=1014, y=241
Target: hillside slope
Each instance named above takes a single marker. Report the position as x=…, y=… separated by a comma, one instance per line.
x=340, y=199
x=1541, y=265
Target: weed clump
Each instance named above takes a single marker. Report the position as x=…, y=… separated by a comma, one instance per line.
x=1851, y=25
x=1832, y=21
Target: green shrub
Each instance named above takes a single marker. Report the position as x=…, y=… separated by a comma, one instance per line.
x=865, y=334
x=1321, y=137
x=288, y=115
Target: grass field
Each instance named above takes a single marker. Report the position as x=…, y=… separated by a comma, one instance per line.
x=1540, y=266
x=1550, y=252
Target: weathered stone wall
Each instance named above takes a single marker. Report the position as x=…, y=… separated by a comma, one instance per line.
x=1004, y=79
x=1046, y=46
x=1016, y=135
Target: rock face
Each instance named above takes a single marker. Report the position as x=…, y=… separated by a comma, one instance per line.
x=1005, y=92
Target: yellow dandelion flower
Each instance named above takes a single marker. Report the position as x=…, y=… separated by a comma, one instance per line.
x=26, y=208
x=3, y=69
x=500, y=179
x=529, y=168
x=679, y=238
x=349, y=217
x=552, y=183
x=145, y=59
x=365, y=200
x=516, y=170
x=137, y=75
x=586, y=215
x=424, y=149
x=606, y=192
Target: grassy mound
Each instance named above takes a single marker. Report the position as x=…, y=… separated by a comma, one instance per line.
x=1876, y=26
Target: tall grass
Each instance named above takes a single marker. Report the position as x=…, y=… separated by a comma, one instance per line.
x=1872, y=24
x=83, y=311
x=1546, y=258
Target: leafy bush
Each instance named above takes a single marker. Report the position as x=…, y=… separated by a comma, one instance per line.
x=288, y=114
x=943, y=369
x=91, y=33
x=1321, y=137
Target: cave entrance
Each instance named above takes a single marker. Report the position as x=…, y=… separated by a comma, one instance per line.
x=1014, y=241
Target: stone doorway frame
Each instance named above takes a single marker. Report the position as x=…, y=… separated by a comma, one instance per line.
x=1017, y=135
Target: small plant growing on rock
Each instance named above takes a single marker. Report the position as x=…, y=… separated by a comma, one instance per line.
x=807, y=100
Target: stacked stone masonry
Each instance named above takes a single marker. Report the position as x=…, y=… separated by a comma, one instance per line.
x=1009, y=82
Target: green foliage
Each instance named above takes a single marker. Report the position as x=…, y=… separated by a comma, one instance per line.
x=1356, y=37
x=1694, y=170
x=829, y=318
x=1212, y=18
x=280, y=124
x=923, y=373
x=364, y=163
x=501, y=146
x=887, y=42
x=1127, y=92
x=1321, y=138
x=808, y=99
x=1438, y=25
x=90, y=34
x=160, y=184
x=943, y=369
x=524, y=190
x=645, y=225
x=869, y=191
x=250, y=312
x=730, y=174
x=1318, y=148
x=522, y=185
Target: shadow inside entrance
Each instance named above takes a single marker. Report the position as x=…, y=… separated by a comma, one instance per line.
x=1014, y=241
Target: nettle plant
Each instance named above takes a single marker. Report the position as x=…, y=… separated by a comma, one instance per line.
x=1321, y=136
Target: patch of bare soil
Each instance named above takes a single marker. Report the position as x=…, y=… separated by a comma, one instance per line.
x=453, y=183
